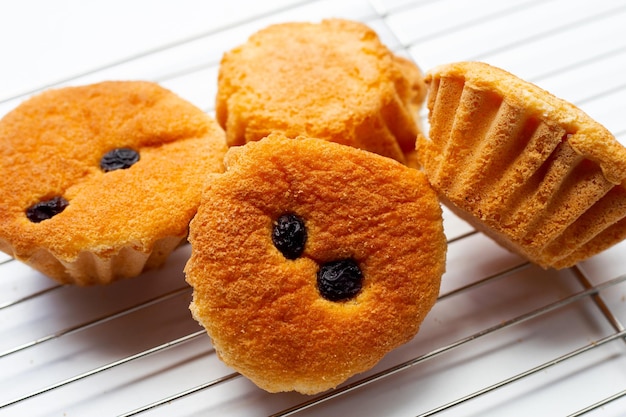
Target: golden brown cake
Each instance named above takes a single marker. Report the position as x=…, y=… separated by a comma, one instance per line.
x=530, y=170
x=332, y=80
x=311, y=260
x=99, y=182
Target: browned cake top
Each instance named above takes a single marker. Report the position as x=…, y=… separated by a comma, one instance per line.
x=261, y=303
x=334, y=80
x=51, y=150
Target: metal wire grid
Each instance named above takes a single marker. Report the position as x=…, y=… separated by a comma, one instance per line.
x=589, y=291
x=592, y=283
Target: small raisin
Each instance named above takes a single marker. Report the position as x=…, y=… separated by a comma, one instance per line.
x=339, y=280
x=46, y=209
x=289, y=235
x=119, y=158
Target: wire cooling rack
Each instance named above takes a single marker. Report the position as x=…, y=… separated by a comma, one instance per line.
x=505, y=338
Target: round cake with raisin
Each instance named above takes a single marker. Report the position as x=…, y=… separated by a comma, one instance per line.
x=333, y=80
x=312, y=260
x=99, y=182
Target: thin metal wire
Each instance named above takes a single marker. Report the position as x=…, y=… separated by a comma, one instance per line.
x=476, y=21
x=485, y=280
x=409, y=364
x=552, y=30
x=30, y=296
x=95, y=322
x=582, y=61
x=183, y=394
x=157, y=49
x=537, y=36
x=463, y=236
x=599, y=404
x=598, y=300
x=382, y=11
x=358, y=384
x=617, y=325
x=589, y=290
x=167, y=345
x=142, y=354
x=593, y=345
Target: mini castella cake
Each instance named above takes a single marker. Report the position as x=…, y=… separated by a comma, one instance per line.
x=332, y=80
x=530, y=170
x=312, y=260
x=99, y=182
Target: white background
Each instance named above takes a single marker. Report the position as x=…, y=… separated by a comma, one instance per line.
x=477, y=336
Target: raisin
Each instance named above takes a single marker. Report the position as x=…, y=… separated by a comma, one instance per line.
x=119, y=158
x=339, y=280
x=46, y=209
x=289, y=235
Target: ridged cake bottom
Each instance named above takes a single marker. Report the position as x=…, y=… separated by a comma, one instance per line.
x=91, y=268
x=515, y=177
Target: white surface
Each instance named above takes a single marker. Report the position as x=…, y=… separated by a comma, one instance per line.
x=577, y=49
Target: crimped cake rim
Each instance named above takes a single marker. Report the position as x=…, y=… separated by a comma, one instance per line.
x=587, y=137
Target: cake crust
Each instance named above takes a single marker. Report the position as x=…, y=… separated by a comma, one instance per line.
x=263, y=312
x=332, y=80
x=117, y=223
x=530, y=170
x=587, y=137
